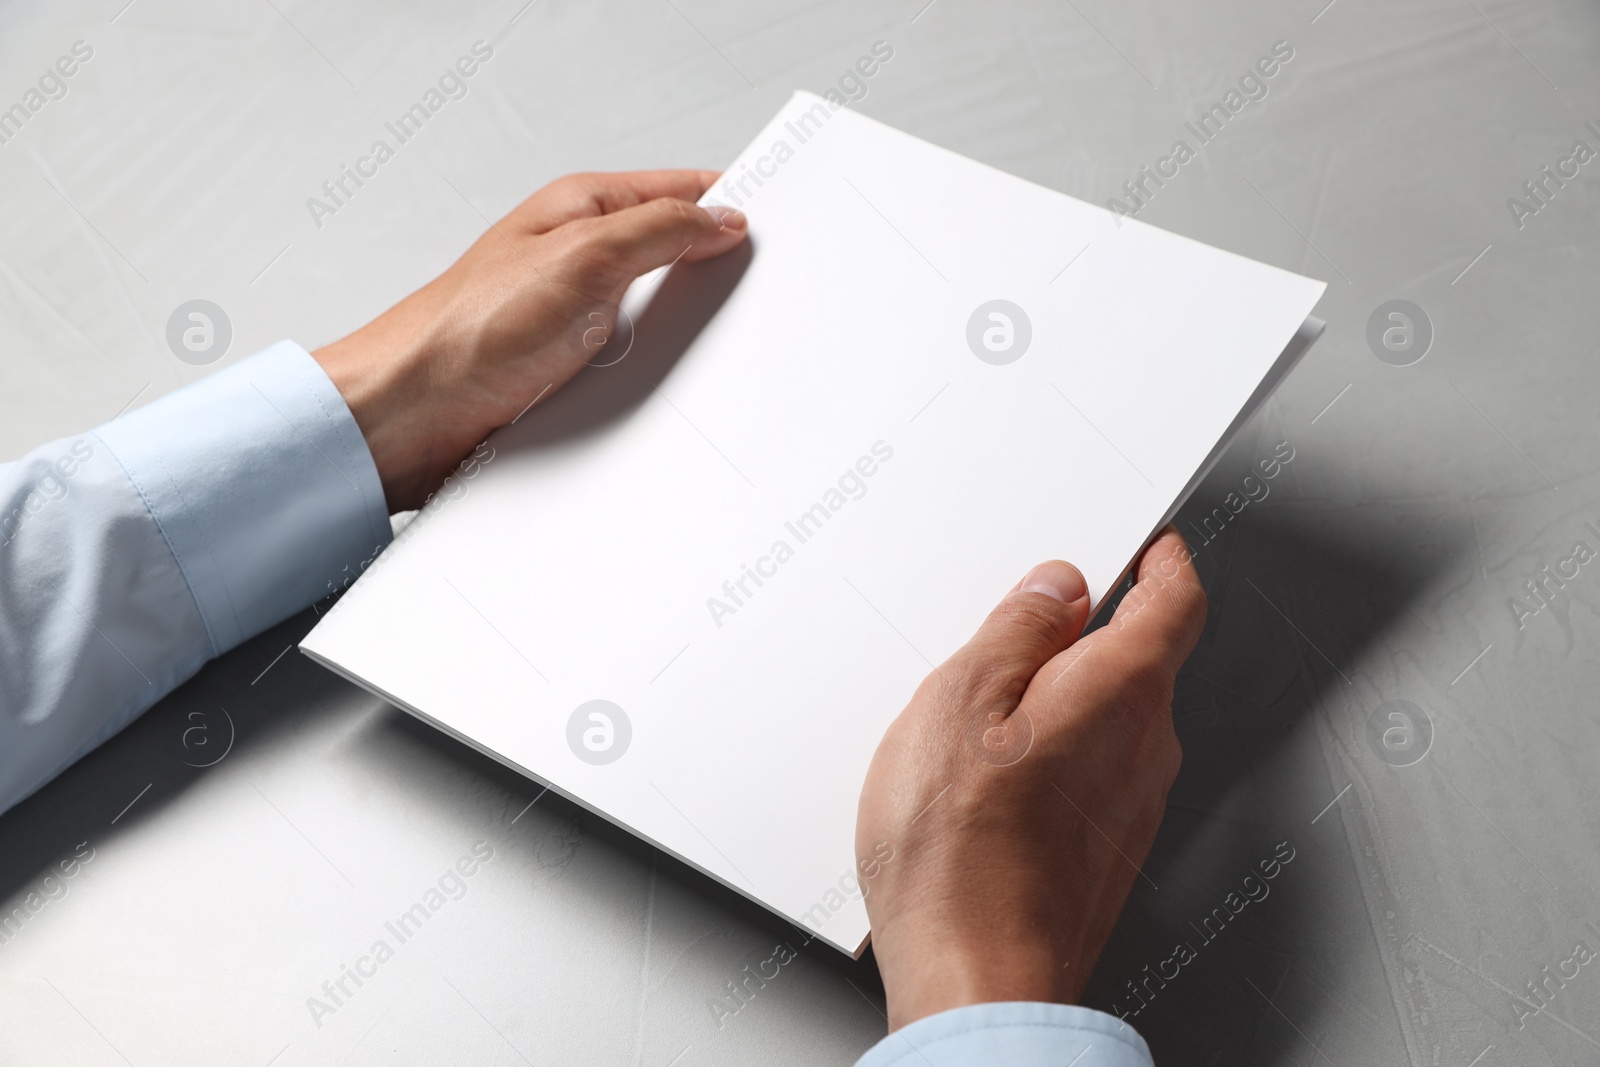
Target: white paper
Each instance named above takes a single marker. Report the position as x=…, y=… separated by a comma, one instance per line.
x=586, y=559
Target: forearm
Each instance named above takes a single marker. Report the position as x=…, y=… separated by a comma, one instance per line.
x=214, y=513
x=131, y=555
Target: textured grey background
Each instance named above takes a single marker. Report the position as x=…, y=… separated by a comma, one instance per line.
x=1383, y=566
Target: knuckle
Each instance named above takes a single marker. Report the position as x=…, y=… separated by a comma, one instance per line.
x=947, y=687
x=586, y=252
x=996, y=681
x=1148, y=684
x=571, y=184
x=585, y=236
x=1174, y=759
x=978, y=684
x=1032, y=613
x=973, y=682
x=1161, y=754
x=943, y=688
x=583, y=185
x=1192, y=602
x=676, y=213
x=565, y=194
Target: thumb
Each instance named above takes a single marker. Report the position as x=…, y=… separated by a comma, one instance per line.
x=1039, y=618
x=612, y=250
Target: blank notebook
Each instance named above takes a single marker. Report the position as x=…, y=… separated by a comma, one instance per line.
x=691, y=589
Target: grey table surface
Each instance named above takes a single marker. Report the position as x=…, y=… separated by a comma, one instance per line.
x=250, y=836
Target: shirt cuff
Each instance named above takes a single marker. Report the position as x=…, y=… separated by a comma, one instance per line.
x=262, y=485
x=1012, y=1034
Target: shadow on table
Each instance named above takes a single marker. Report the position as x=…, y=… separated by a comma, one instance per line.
x=1298, y=592
x=215, y=718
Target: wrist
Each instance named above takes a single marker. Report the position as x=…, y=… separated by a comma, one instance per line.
x=393, y=389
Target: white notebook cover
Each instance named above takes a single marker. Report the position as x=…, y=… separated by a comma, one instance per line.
x=814, y=390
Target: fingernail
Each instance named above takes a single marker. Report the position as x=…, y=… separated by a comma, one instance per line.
x=725, y=217
x=1056, y=579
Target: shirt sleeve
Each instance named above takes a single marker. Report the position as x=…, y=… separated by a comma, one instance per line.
x=1012, y=1034
x=132, y=554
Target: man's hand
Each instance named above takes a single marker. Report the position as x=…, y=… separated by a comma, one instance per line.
x=515, y=317
x=1021, y=790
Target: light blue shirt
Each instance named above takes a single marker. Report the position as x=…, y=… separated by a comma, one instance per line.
x=132, y=554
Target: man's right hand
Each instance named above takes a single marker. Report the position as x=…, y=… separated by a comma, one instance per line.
x=1021, y=789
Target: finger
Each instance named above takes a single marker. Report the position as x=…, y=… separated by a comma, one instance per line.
x=610, y=251
x=1164, y=612
x=584, y=196
x=1041, y=616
